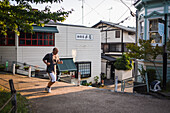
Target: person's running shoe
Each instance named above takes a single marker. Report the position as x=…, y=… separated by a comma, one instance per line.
x=48, y=89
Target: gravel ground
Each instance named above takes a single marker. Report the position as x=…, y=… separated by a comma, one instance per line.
x=67, y=98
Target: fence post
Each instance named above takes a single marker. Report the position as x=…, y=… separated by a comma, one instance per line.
x=13, y=69
x=116, y=81
x=13, y=92
x=146, y=78
x=79, y=78
x=29, y=71
x=123, y=85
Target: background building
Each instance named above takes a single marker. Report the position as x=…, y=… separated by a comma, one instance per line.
x=114, y=39
x=78, y=42
x=150, y=14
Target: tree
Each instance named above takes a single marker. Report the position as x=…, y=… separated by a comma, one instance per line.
x=145, y=51
x=22, y=16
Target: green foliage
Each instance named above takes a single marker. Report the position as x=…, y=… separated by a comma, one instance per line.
x=22, y=102
x=168, y=48
x=144, y=50
x=22, y=16
x=86, y=84
x=123, y=63
x=103, y=76
x=2, y=66
x=96, y=79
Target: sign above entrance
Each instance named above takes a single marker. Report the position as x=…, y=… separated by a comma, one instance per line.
x=84, y=37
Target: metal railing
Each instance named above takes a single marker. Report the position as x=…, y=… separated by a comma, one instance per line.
x=129, y=82
x=26, y=69
x=13, y=99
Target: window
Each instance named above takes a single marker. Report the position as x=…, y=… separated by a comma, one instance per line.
x=8, y=40
x=106, y=47
x=36, y=39
x=153, y=31
x=114, y=48
x=141, y=30
x=117, y=34
x=84, y=68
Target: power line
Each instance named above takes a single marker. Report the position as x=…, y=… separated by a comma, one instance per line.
x=128, y=8
x=91, y=11
x=122, y=14
x=95, y=11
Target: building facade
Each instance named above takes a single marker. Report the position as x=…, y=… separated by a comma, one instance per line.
x=80, y=43
x=150, y=13
x=114, y=39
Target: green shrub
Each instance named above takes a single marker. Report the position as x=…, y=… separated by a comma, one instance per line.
x=123, y=63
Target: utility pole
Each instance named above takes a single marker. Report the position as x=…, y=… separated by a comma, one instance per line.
x=109, y=13
x=82, y=11
x=165, y=54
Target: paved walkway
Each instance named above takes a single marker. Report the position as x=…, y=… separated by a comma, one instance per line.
x=68, y=98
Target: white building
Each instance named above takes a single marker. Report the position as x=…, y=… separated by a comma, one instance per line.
x=73, y=41
x=114, y=39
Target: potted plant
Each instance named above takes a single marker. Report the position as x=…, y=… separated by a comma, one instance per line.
x=123, y=68
x=17, y=66
x=96, y=78
x=26, y=68
x=103, y=76
x=2, y=67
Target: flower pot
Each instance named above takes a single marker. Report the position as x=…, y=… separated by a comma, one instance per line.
x=26, y=68
x=17, y=67
x=123, y=74
x=102, y=82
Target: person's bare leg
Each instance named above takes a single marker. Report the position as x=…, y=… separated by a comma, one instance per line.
x=50, y=84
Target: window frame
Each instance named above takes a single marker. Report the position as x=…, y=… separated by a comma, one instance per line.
x=116, y=35
x=48, y=39
x=154, y=31
x=85, y=63
x=7, y=39
x=141, y=32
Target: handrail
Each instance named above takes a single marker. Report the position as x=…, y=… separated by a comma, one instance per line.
x=144, y=84
x=28, y=64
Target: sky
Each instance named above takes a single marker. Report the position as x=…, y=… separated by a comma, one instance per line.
x=94, y=11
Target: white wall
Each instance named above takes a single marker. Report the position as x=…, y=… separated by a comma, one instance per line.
x=8, y=53
x=81, y=50
x=111, y=36
x=33, y=55
x=65, y=41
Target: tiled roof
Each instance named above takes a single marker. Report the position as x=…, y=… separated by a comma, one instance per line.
x=131, y=29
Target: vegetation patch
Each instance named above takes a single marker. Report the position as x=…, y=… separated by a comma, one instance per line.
x=22, y=102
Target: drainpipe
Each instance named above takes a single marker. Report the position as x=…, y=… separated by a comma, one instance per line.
x=136, y=42
x=122, y=43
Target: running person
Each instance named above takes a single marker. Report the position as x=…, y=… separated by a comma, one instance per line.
x=50, y=60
